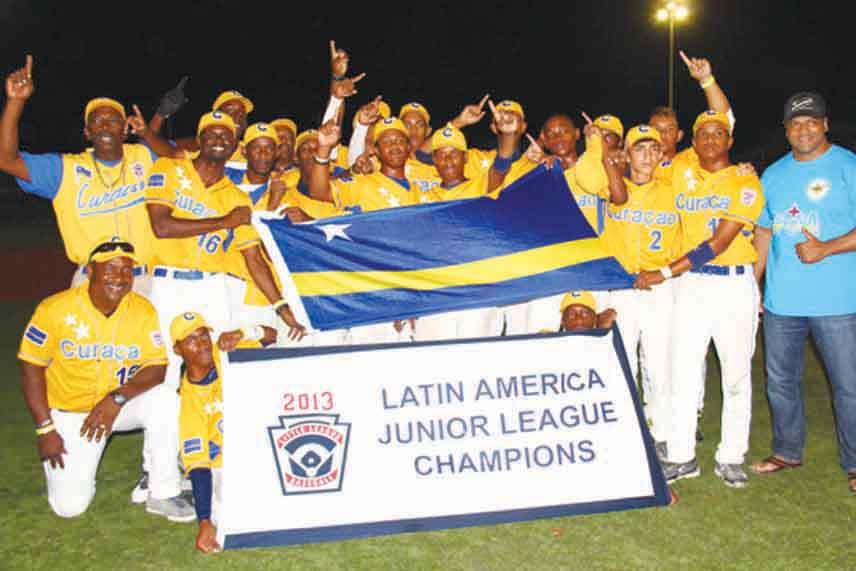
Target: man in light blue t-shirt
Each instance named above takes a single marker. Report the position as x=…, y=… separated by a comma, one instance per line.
x=806, y=240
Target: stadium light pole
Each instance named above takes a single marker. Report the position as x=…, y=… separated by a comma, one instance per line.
x=672, y=12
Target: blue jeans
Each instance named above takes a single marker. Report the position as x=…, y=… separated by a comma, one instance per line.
x=784, y=339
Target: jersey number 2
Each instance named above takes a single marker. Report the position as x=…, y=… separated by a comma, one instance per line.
x=656, y=238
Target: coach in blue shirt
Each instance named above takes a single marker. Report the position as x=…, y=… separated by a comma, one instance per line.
x=806, y=239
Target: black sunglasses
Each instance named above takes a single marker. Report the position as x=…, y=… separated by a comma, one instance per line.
x=112, y=246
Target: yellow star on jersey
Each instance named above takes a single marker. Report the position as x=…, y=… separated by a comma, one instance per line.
x=81, y=331
x=70, y=320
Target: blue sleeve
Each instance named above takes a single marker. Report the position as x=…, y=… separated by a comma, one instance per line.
x=45, y=174
x=765, y=220
x=203, y=489
x=424, y=157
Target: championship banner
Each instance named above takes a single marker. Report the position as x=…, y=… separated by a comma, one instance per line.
x=325, y=444
x=530, y=242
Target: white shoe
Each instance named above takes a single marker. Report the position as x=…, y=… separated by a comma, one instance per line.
x=174, y=509
x=141, y=491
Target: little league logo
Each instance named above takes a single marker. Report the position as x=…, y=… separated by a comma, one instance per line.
x=310, y=452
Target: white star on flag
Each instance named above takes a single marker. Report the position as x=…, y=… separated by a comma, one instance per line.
x=81, y=331
x=70, y=320
x=335, y=231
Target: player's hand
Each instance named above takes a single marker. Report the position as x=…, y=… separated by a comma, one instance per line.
x=537, y=155
x=746, y=169
x=238, y=216
x=338, y=61
x=590, y=130
x=606, y=318
x=136, y=123
x=295, y=215
x=228, y=340
x=173, y=100
x=344, y=88
x=99, y=422
x=369, y=113
x=206, y=538
x=51, y=448
x=296, y=331
x=616, y=160
x=19, y=83
x=507, y=123
x=471, y=114
x=363, y=164
x=647, y=279
x=329, y=135
x=812, y=250
x=699, y=68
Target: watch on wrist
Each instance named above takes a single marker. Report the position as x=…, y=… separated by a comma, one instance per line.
x=118, y=398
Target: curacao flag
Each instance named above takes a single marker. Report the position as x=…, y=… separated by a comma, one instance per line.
x=530, y=242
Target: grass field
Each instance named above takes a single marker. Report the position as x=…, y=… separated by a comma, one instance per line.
x=795, y=520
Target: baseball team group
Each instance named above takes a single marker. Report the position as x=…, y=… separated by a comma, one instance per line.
x=172, y=271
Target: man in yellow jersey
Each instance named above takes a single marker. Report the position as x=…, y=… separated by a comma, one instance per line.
x=449, y=155
x=718, y=209
x=96, y=193
x=200, y=219
x=201, y=417
x=93, y=363
x=579, y=312
x=589, y=184
x=644, y=234
x=285, y=173
x=419, y=167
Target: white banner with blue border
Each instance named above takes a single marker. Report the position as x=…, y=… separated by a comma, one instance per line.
x=326, y=444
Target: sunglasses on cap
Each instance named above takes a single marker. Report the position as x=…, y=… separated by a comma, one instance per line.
x=112, y=247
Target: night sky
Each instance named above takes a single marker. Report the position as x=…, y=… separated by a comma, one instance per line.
x=606, y=56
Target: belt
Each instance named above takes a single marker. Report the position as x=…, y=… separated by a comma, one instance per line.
x=190, y=275
x=720, y=270
x=138, y=270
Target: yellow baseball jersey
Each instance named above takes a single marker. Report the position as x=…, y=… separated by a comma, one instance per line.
x=644, y=232
x=176, y=184
x=479, y=162
x=93, y=199
x=666, y=169
x=703, y=198
x=589, y=184
x=341, y=159
x=424, y=176
x=297, y=194
x=376, y=191
x=474, y=188
x=200, y=419
x=86, y=353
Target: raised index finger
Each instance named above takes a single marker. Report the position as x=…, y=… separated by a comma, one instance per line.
x=685, y=58
x=358, y=78
x=492, y=107
x=587, y=118
x=332, y=49
x=533, y=141
x=182, y=82
x=483, y=101
x=137, y=111
x=29, y=66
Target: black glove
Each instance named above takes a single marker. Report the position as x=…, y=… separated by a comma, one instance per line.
x=173, y=99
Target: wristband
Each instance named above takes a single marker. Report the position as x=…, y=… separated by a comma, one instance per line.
x=254, y=333
x=45, y=428
x=666, y=272
x=338, y=77
x=707, y=82
x=321, y=161
x=502, y=164
x=279, y=305
x=701, y=255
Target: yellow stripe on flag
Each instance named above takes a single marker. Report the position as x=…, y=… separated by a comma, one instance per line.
x=491, y=270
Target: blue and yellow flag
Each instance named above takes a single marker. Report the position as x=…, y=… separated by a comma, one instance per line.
x=530, y=242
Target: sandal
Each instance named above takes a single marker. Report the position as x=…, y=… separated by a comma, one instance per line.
x=851, y=482
x=772, y=464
